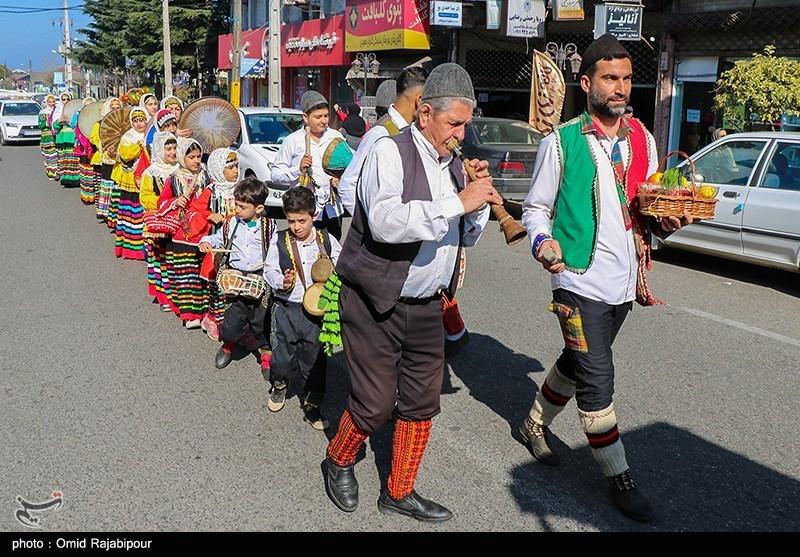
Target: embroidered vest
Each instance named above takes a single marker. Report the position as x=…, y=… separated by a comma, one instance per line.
x=285, y=256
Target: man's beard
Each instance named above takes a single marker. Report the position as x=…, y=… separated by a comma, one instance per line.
x=603, y=106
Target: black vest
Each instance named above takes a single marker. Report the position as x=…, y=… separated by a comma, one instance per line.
x=285, y=259
x=379, y=269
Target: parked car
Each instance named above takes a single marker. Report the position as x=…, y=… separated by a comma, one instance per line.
x=19, y=121
x=263, y=131
x=510, y=146
x=757, y=217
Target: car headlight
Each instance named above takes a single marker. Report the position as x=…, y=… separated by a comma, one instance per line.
x=13, y=125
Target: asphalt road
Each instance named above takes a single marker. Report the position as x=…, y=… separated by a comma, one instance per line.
x=109, y=401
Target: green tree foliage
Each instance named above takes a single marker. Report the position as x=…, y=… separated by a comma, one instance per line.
x=765, y=85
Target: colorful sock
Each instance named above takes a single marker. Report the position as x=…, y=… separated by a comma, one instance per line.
x=345, y=445
x=266, y=356
x=453, y=324
x=603, y=435
x=408, y=446
x=227, y=347
x=551, y=399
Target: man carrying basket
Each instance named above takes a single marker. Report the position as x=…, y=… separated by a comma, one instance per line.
x=596, y=248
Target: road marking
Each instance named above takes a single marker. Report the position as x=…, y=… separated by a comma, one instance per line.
x=743, y=326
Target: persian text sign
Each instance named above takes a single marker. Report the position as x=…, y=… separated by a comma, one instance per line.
x=524, y=18
x=624, y=21
x=564, y=10
x=316, y=42
x=447, y=14
x=387, y=25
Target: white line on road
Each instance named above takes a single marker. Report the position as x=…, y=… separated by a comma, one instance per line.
x=743, y=326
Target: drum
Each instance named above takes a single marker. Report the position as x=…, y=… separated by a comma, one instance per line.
x=321, y=270
x=311, y=299
x=236, y=283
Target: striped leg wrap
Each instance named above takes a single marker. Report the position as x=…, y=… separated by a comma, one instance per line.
x=408, y=446
x=348, y=440
x=603, y=435
x=551, y=399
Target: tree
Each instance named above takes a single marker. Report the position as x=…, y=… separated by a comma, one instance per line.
x=760, y=89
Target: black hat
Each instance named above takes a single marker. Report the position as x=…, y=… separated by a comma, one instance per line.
x=605, y=47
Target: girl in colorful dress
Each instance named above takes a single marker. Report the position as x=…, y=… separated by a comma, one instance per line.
x=128, y=241
x=164, y=163
x=47, y=143
x=188, y=292
x=223, y=171
x=106, y=160
x=68, y=172
x=84, y=150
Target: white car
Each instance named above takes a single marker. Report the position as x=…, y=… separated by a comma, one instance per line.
x=263, y=131
x=19, y=121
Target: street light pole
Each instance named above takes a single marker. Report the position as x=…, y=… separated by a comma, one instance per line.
x=235, y=84
x=67, y=46
x=274, y=54
x=366, y=60
x=167, y=49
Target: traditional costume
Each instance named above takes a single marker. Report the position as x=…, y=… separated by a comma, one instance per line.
x=69, y=172
x=128, y=241
x=47, y=142
x=85, y=150
x=105, y=161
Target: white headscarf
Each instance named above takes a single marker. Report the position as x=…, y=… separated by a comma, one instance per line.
x=222, y=201
x=184, y=174
x=143, y=100
x=132, y=136
x=107, y=105
x=164, y=101
x=58, y=110
x=159, y=168
x=47, y=110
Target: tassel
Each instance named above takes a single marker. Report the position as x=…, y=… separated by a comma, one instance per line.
x=330, y=332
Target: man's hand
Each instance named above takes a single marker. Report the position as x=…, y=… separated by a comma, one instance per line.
x=182, y=202
x=671, y=224
x=552, y=267
x=481, y=168
x=305, y=162
x=204, y=247
x=288, y=278
x=478, y=193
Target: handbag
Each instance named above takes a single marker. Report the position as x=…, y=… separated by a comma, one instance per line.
x=166, y=222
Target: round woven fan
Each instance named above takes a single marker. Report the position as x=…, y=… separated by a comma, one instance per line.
x=71, y=108
x=89, y=116
x=113, y=126
x=214, y=123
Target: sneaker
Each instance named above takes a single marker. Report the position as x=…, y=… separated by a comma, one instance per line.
x=277, y=399
x=209, y=326
x=313, y=416
x=535, y=438
x=628, y=498
x=193, y=324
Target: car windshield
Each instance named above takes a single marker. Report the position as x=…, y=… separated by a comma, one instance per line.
x=497, y=131
x=21, y=109
x=271, y=128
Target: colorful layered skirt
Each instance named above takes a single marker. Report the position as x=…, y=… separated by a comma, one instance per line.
x=188, y=292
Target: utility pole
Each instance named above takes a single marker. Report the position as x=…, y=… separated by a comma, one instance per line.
x=167, y=49
x=234, y=87
x=274, y=43
x=68, y=47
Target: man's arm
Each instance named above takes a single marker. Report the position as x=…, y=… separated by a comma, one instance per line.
x=284, y=169
x=348, y=183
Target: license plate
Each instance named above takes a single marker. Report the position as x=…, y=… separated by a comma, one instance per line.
x=31, y=132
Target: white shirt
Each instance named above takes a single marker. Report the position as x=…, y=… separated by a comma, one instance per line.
x=247, y=251
x=286, y=167
x=309, y=253
x=611, y=278
x=347, y=185
x=435, y=223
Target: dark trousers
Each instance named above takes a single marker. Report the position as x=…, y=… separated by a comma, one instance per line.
x=245, y=314
x=590, y=366
x=298, y=351
x=395, y=358
x=332, y=224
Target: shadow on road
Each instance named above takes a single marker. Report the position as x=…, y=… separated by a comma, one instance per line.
x=694, y=486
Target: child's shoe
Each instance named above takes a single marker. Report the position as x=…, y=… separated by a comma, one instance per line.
x=210, y=327
x=224, y=355
x=277, y=399
x=193, y=324
x=313, y=416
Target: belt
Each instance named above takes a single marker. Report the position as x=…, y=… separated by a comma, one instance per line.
x=419, y=301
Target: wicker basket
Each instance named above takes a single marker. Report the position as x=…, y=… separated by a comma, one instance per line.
x=655, y=203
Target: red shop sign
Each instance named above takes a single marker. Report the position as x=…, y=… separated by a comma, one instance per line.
x=317, y=42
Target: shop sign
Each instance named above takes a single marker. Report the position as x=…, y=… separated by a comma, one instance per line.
x=314, y=43
x=253, y=68
x=254, y=46
x=493, y=11
x=523, y=18
x=624, y=21
x=447, y=14
x=565, y=10
x=387, y=25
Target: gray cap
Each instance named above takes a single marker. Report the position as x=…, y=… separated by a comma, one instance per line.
x=311, y=99
x=386, y=93
x=448, y=80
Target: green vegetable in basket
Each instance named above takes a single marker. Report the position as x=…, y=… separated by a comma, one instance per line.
x=673, y=179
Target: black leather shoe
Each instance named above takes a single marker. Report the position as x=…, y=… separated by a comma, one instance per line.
x=538, y=445
x=223, y=358
x=341, y=485
x=453, y=347
x=413, y=505
x=628, y=498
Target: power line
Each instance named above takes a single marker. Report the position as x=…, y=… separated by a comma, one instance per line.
x=28, y=10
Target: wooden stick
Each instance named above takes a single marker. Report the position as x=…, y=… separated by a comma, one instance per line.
x=223, y=250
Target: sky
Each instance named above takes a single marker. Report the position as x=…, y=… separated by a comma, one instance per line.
x=30, y=37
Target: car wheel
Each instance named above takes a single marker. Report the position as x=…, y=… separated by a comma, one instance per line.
x=248, y=173
x=3, y=139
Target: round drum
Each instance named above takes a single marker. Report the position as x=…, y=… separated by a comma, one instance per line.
x=311, y=299
x=235, y=283
x=321, y=270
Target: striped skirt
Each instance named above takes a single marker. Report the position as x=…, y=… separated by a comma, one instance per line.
x=105, y=186
x=49, y=154
x=86, y=181
x=113, y=206
x=188, y=293
x=128, y=241
x=157, y=280
x=69, y=170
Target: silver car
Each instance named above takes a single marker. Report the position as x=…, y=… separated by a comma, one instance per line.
x=19, y=121
x=757, y=217
x=263, y=131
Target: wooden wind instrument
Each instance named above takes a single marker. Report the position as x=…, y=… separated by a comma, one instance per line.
x=512, y=230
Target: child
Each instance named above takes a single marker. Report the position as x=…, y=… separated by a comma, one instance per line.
x=128, y=241
x=288, y=272
x=248, y=234
x=292, y=160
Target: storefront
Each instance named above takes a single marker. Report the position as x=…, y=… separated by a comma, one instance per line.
x=253, y=64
